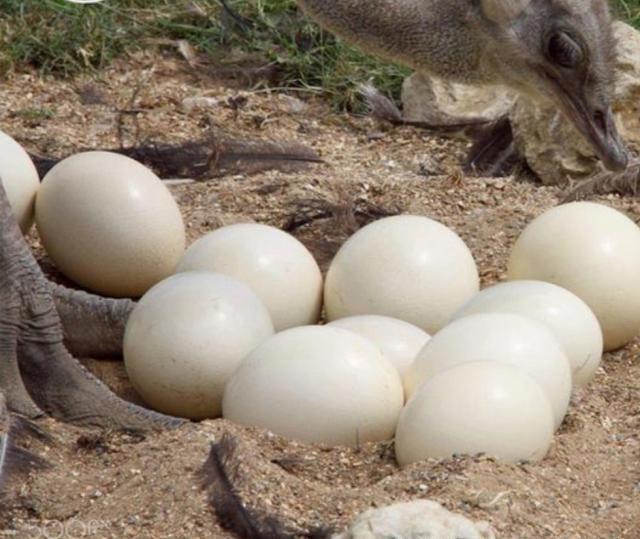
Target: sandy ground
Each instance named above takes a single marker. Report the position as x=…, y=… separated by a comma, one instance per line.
x=109, y=485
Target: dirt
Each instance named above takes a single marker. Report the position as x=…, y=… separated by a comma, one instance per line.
x=110, y=485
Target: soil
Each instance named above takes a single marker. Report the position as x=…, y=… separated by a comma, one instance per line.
x=112, y=485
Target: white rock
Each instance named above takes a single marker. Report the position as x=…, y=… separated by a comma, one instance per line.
x=419, y=519
x=429, y=99
x=197, y=103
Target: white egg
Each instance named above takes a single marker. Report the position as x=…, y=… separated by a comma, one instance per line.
x=398, y=340
x=477, y=407
x=565, y=314
x=406, y=267
x=273, y=263
x=593, y=251
x=186, y=337
x=502, y=337
x=20, y=180
x=109, y=223
x=317, y=384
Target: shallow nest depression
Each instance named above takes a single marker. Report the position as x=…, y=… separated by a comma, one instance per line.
x=115, y=485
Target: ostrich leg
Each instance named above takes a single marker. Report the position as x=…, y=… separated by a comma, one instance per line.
x=93, y=326
x=37, y=373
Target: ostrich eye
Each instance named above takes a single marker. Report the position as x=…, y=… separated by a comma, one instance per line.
x=563, y=50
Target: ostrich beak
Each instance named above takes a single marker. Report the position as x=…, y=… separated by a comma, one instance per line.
x=594, y=121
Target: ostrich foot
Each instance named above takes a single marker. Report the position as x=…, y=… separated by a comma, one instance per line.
x=38, y=374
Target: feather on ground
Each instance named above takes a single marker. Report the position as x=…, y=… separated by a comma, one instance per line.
x=217, y=475
x=205, y=159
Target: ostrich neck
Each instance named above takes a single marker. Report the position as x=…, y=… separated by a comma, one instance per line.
x=438, y=37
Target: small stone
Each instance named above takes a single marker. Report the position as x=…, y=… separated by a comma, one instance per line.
x=292, y=105
x=191, y=104
x=420, y=519
x=428, y=99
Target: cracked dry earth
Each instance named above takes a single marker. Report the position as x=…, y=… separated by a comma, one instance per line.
x=111, y=485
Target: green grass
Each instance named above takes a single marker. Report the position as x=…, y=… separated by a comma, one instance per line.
x=629, y=10
x=61, y=38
